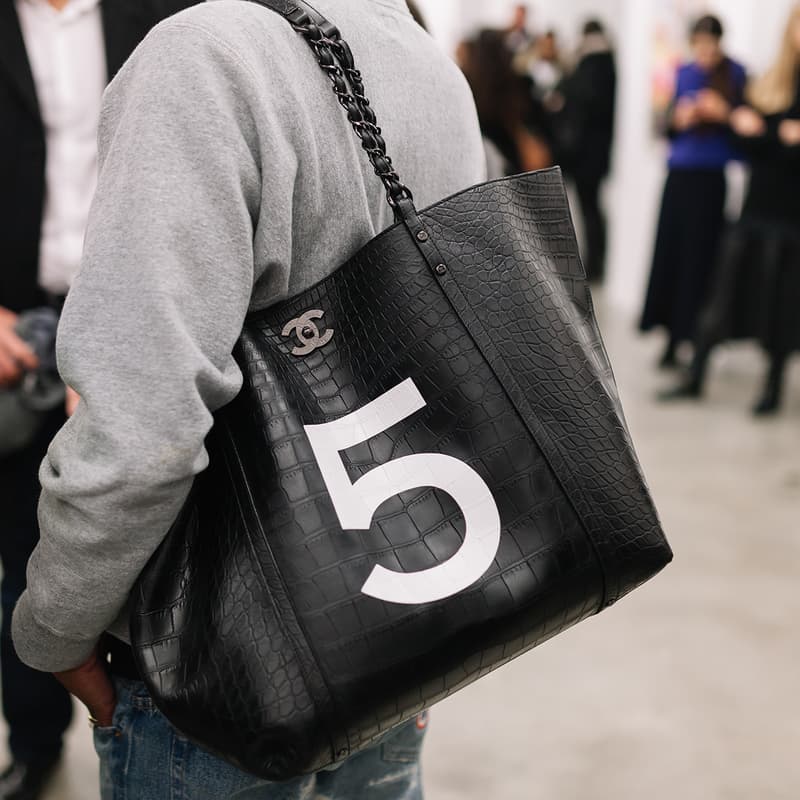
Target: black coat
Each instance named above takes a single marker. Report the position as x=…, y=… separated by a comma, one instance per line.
x=773, y=196
x=585, y=127
x=22, y=138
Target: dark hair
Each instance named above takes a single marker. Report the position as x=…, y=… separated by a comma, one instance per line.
x=708, y=25
x=721, y=78
x=501, y=95
x=593, y=26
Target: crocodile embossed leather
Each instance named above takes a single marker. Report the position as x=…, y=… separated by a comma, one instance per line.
x=426, y=474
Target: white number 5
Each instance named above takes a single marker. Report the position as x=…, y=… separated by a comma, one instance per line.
x=356, y=503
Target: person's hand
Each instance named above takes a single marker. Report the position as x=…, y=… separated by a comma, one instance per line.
x=712, y=107
x=748, y=123
x=15, y=356
x=73, y=398
x=789, y=132
x=91, y=684
x=685, y=115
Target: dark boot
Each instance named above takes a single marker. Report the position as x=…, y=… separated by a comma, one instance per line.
x=771, y=398
x=691, y=387
x=669, y=359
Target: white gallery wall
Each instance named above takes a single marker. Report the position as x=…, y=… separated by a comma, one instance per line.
x=633, y=193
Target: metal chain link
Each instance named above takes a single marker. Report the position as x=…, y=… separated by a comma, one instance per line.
x=336, y=59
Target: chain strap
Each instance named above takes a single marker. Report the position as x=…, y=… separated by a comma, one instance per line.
x=336, y=59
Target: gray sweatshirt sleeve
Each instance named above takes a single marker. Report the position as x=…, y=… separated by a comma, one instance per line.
x=147, y=332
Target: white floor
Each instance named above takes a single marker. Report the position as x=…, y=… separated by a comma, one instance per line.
x=689, y=688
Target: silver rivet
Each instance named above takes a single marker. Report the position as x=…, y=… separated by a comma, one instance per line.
x=422, y=236
x=440, y=269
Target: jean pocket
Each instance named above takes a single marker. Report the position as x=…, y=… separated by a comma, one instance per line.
x=404, y=744
x=104, y=737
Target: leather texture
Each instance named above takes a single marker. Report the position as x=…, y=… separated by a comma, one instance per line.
x=250, y=626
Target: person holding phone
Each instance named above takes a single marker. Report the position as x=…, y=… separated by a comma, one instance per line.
x=693, y=205
x=756, y=292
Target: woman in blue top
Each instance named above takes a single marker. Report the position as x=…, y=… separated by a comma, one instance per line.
x=756, y=288
x=692, y=210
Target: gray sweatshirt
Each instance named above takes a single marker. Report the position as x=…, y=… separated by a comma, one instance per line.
x=229, y=180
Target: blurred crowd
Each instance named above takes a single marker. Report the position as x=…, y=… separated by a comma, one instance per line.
x=539, y=106
x=712, y=279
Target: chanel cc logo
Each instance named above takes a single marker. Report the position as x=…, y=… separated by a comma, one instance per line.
x=308, y=333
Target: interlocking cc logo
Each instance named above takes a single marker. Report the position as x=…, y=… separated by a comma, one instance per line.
x=308, y=333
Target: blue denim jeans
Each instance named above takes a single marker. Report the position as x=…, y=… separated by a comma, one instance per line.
x=142, y=757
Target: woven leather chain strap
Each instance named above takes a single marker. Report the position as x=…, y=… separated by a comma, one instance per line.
x=336, y=59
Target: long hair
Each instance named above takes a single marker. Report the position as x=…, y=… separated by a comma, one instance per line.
x=721, y=77
x=776, y=90
x=500, y=94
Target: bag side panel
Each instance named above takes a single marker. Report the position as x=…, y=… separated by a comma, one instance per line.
x=518, y=284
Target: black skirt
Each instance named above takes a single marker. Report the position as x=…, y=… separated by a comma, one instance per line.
x=687, y=243
x=756, y=291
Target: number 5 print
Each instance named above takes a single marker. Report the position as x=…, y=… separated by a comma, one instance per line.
x=356, y=503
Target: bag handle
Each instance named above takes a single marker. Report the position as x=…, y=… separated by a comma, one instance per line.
x=336, y=60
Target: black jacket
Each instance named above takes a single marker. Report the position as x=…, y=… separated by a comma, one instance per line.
x=22, y=139
x=586, y=125
x=773, y=196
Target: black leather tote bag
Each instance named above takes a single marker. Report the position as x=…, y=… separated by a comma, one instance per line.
x=426, y=474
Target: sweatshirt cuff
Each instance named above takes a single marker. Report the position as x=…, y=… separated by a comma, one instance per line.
x=43, y=649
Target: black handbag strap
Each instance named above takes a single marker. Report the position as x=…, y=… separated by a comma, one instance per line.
x=336, y=60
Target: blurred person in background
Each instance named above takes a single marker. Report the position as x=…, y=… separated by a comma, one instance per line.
x=756, y=292
x=693, y=205
x=544, y=64
x=585, y=104
x=56, y=57
x=519, y=36
x=514, y=125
